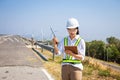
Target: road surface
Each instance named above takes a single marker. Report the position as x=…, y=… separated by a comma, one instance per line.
x=17, y=62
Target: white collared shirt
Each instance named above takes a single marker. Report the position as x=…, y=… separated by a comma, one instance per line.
x=81, y=49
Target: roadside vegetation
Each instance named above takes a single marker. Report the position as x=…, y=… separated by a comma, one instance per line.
x=109, y=51
x=91, y=71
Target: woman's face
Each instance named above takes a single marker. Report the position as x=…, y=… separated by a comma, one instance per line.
x=72, y=32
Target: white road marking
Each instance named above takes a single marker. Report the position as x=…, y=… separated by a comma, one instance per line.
x=2, y=40
x=10, y=39
x=16, y=39
x=47, y=74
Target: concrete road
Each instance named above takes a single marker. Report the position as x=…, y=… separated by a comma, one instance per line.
x=17, y=62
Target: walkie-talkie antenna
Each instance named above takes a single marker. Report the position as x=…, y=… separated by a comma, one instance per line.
x=52, y=32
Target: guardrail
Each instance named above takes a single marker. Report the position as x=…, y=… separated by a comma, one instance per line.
x=47, y=47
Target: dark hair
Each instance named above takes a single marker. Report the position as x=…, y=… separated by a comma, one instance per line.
x=77, y=30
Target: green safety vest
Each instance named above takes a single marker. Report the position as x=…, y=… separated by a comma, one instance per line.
x=69, y=58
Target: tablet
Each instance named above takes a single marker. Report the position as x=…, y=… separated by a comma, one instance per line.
x=72, y=48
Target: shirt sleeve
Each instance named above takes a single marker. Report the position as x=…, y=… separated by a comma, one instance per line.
x=61, y=47
x=81, y=48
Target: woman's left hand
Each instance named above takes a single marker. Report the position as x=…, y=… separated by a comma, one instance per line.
x=79, y=57
x=69, y=52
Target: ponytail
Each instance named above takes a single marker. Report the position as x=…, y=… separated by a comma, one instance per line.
x=77, y=31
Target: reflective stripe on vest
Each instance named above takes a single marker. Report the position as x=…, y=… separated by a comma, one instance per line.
x=69, y=58
x=71, y=61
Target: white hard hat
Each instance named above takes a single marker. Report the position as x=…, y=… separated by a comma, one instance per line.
x=72, y=23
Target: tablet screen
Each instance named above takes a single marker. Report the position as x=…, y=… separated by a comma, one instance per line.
x=72, y=48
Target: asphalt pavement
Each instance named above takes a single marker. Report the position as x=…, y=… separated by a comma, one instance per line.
x=17, y=62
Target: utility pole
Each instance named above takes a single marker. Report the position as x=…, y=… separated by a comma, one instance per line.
x=104, y=51
x=107, y=54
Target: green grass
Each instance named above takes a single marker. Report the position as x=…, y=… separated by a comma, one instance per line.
x=105, y=73
x=88, y=69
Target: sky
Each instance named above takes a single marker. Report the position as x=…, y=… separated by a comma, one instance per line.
x=99, y=19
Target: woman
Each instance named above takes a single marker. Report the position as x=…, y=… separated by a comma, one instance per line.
x=72, y=63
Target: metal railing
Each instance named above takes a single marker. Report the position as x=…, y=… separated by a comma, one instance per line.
x=47, y=47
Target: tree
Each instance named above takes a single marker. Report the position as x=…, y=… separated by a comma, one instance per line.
x=114, y=46
x=113, y=53
x=96, y=49
x=115, y=41
x=87, y=48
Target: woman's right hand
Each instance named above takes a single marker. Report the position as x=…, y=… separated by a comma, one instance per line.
x=55, y=41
